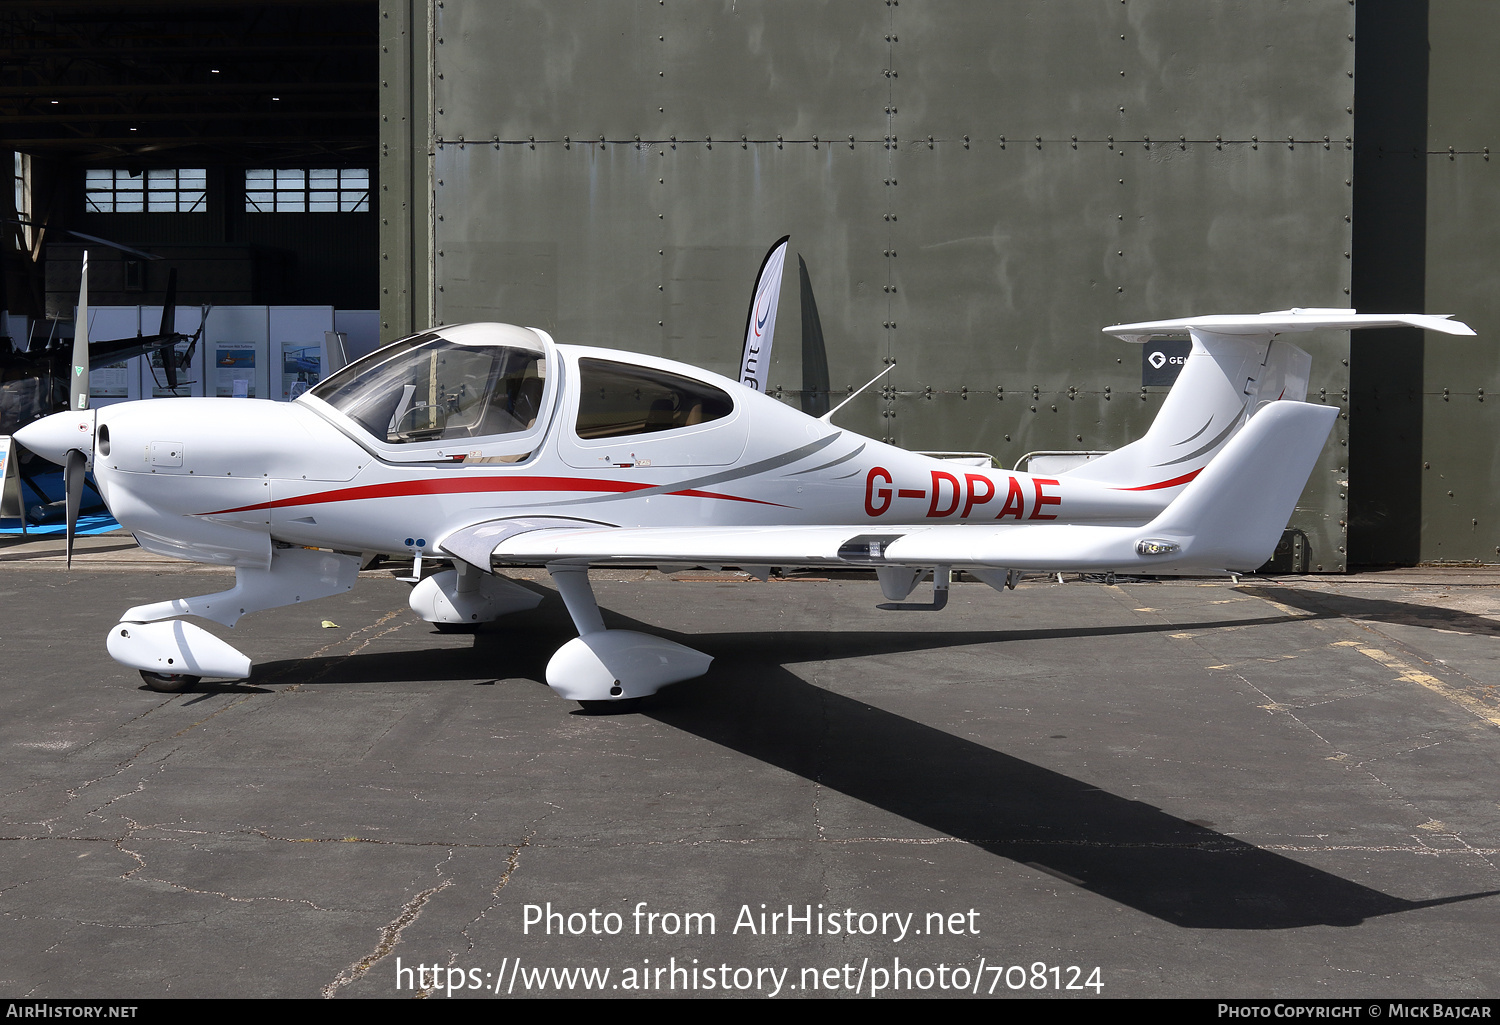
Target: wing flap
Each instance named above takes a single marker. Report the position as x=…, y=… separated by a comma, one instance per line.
x=1019, y=546
x=753, y=546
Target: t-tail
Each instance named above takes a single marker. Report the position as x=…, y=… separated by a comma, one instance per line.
x=1237, y=366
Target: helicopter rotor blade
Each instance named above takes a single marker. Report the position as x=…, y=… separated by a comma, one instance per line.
x=169, y=307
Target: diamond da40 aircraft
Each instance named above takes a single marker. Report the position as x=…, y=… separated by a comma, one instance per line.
x=487, y=446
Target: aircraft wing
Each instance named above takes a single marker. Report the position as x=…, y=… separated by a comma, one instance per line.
x=1019, y=546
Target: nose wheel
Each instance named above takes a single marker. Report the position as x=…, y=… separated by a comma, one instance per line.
x=169, y=683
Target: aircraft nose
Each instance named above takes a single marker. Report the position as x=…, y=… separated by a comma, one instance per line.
x=53, y=437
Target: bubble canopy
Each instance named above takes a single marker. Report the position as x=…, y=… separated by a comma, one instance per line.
x=451, y=388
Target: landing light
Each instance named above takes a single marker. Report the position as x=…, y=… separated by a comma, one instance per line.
x=1155, y=546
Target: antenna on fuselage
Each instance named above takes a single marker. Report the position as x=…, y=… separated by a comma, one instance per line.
x=828, y=416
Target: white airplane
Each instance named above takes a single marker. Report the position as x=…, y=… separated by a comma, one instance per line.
x=488, y=446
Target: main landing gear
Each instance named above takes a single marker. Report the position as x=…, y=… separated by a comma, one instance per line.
x=458, y=600
x=601, y=667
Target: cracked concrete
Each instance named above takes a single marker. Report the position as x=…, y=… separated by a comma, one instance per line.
x=1204, y=790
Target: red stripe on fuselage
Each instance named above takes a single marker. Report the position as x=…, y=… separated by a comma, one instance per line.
x=469, y=486
x=1166, y=483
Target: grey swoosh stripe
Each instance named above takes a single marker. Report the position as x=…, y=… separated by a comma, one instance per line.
x=1217, y=440
x=785, y=459
x=824, y=466
x=1200, y=430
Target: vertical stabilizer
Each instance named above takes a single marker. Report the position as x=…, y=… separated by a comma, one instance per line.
x=1226, y=379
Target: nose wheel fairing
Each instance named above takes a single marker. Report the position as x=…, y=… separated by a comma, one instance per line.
x=148, y=639
x=173, y=648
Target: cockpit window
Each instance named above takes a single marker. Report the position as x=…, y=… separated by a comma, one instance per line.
x=431, y=388
x=617, y=399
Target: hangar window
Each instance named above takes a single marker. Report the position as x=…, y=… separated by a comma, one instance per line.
x=617, y=399
x=297, y=191
x=110, y=190
x=23, y=200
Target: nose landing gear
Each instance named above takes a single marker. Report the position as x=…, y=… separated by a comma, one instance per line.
x=169, y=683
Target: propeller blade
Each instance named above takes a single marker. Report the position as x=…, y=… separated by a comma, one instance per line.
x=78, y=381
x=73, y=478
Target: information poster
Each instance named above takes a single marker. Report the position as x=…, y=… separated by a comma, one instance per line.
x=110, y=382
x=234, y=370
x=301, y=368
x=119, y=381
x=159, y=389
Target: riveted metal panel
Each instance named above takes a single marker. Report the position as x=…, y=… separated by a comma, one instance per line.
x=405, y=200
x=627, y=68
x=654, y=248
x=1460, y=476
x=1461, y=464
x=1146, y=69
x=553, y=237
x=1461, y=376
x=1007, y=262
x=1464, y=78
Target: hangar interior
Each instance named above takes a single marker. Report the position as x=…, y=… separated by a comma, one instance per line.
x=975, y=190
x=193, y=137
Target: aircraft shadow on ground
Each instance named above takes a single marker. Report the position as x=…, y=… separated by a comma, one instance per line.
x=1380, y=610
x=1072, y=830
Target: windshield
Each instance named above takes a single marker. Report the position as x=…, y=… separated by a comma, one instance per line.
x=432, y=388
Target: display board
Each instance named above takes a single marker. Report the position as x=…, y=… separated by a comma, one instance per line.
x=299, y=346
x=121, y=381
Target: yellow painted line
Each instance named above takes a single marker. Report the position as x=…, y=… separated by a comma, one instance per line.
x=1285, y=610
x=1409, y=673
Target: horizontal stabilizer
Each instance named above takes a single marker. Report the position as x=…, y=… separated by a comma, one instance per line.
x=1286, y=320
